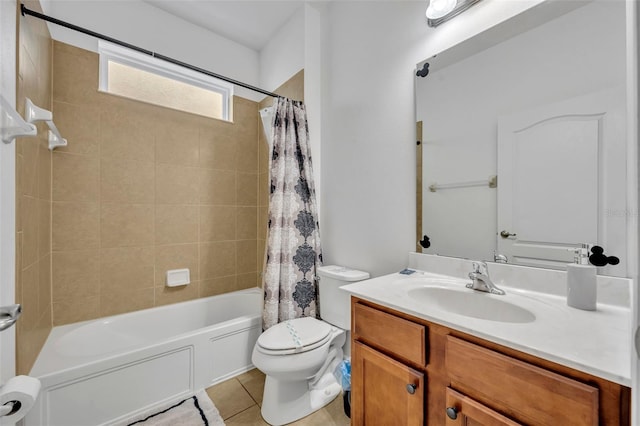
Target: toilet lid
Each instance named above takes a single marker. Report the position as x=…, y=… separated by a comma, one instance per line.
x=295, y=335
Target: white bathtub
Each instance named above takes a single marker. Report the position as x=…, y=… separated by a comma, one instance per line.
x=99, y=371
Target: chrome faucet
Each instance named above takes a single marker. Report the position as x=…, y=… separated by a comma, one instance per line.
x=500, y=258
x=481, y=280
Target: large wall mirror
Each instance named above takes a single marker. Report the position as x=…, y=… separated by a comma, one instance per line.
x=524, y=141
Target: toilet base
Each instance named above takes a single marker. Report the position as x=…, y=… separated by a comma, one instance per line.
x=286, y=402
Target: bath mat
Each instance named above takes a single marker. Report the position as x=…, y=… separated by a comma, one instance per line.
x=197, y=410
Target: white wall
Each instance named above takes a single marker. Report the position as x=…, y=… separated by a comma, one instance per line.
x=7, y=186
x=146, y=26
x=314, y=75
x=283, y=55
x=368, y=150
x=368, y=129
x=299, y=45
x=633, y=134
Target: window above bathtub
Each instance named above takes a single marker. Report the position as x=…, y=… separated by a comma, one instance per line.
x=134, y=75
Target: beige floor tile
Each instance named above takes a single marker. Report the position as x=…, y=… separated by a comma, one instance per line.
x=319, y=418
x=230, y=398
x=253, y=382
x=249, y=417
x=336, y=410
x=331, y=415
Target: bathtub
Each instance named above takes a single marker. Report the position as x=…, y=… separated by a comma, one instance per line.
x=100, y=371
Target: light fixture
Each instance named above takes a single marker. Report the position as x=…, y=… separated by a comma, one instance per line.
x=439, y=8
x=440, y=11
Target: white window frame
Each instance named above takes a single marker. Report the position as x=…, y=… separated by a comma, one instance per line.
x=115, y=53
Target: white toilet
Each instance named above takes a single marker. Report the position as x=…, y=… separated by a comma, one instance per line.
x=298, y=356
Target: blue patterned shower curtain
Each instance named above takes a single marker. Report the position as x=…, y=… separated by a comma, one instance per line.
x=293, y=240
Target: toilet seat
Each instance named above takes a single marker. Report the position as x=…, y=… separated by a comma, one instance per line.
x=294, y=336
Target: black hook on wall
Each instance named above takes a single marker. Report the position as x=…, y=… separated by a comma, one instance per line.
x=424, y=71
x=425, y=243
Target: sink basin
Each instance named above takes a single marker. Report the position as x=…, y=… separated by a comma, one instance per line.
x=471, y=303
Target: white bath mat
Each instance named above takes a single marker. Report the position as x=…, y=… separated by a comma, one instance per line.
x=197, y=410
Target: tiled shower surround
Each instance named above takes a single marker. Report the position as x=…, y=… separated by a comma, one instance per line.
x=33, y=196
x=139, y=189
x=142, y=189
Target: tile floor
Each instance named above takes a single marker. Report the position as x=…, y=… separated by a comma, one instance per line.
x=239, y=400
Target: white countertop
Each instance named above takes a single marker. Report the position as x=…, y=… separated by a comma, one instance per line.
x=597, y=342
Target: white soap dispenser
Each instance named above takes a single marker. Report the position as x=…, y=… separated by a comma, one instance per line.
x=582, y=289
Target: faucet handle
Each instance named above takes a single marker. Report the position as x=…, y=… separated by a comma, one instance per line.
x=479, y=266
x=500, y=258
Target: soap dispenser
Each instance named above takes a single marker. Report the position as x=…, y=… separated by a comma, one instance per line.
x=581, y=281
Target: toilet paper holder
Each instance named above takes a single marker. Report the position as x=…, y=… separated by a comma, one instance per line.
x=9, y=408
x=9, y=315
x=17, y=397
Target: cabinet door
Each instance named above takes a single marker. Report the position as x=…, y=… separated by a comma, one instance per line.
x=384, y=391
x=464, y=411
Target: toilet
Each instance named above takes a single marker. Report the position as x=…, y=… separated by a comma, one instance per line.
x=299, y=356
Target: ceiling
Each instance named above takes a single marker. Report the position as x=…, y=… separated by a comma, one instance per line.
x=251, y=23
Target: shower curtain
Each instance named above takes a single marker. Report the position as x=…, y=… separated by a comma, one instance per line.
x=293, y=239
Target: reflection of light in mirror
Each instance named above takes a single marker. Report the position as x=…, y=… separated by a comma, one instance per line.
x=440, y=11
x=439, y=8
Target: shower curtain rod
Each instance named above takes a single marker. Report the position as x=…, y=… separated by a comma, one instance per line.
x=26, y=11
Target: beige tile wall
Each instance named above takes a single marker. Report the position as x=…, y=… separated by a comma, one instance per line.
x=294, y=89
x=141, y=189
x=33, y=195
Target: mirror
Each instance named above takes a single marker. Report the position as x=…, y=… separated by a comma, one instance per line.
x=523, y=140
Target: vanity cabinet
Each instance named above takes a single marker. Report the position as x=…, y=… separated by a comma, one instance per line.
x=408, y=371
x=390, y=393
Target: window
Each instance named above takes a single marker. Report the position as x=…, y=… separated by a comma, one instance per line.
x=134, y=75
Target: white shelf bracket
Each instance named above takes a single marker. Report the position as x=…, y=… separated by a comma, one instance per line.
x=12, y=125
x=55, y=140
x=34, y=113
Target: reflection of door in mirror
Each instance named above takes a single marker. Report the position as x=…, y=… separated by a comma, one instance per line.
x=550, y=203
x=571, y=57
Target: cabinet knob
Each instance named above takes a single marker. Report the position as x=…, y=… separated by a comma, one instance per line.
x=411, y=388
x=452, y=413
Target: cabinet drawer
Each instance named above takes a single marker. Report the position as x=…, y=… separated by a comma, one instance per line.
x=520, y=390
x=401, y=337
x=471, y=412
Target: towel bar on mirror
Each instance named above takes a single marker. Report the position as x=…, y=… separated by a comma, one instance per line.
x=492, y=182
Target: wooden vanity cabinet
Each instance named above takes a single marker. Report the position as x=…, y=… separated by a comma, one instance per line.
x=408, y=371
x=387, y=392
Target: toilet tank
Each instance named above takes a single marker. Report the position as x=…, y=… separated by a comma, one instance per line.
x=335, y=304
